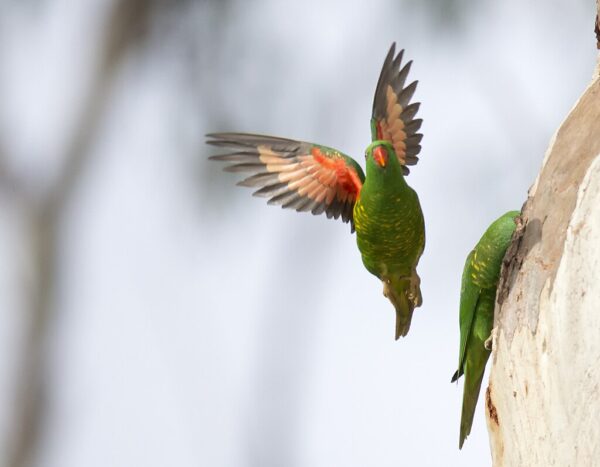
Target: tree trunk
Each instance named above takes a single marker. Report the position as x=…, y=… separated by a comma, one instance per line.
x=543, y=398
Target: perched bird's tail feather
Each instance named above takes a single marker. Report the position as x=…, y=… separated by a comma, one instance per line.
x=473, y=379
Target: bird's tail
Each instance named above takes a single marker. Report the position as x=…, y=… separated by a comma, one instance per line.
x=405, y=295
x=473, y=377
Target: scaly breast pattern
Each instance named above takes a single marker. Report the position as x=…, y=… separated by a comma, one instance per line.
x=390, y=231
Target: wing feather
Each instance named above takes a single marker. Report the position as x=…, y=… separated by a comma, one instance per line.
x=469, y=296
x=295, y=174
x=393, y=114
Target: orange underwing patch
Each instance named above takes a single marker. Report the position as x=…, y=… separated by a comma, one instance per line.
x=379, y=130
x=347, y=178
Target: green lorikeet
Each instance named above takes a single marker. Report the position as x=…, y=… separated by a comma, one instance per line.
x=381, y=207
x=477, y=299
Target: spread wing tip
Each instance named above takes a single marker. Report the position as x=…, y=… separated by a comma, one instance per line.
x=296, y=175
x=392, y=102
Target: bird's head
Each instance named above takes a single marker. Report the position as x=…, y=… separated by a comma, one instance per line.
x=381, y=156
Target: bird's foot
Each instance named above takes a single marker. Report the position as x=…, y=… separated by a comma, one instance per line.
x=414, y=294
x=488, y=344
x=386, y=288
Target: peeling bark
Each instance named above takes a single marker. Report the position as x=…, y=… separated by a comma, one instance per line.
x=543, y=399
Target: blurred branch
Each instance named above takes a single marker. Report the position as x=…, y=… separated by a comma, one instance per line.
x=6, y=179
x=125, y=26
x=10, y=186
x=448, y=15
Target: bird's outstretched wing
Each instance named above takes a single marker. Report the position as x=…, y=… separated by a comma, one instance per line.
x=393, y=115
x=295, y=174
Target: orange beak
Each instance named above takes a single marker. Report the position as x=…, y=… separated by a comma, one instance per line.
x=380, y=156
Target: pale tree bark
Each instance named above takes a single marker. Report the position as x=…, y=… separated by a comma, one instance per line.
x=543, y=398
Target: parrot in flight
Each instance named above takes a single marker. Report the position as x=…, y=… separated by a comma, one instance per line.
x=477, y=299
x=382, y=208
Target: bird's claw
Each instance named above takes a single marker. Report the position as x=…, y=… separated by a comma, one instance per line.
x=488, y=344
x=386, y=288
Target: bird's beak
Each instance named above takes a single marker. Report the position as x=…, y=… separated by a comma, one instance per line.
x=380, y=156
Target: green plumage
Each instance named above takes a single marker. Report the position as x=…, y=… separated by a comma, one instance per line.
x=381, y=207
x=390, y=233
x=477, y=300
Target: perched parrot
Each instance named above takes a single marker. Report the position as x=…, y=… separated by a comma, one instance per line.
x=381, y=207
x=477, y=299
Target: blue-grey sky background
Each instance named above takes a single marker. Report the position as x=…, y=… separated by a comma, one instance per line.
x=193, y=324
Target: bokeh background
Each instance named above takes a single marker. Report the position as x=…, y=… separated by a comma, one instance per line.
x=151, y=314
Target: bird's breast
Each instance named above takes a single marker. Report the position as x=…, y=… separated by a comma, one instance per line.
x=389, y=230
